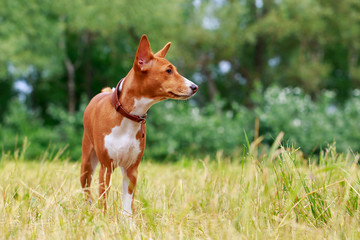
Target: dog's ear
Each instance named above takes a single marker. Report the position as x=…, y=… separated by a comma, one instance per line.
x=143, y=55
x=162, y=52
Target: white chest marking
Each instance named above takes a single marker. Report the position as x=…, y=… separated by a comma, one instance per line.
x=121, y=144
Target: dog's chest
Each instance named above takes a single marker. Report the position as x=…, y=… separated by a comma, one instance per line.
x=121, y=144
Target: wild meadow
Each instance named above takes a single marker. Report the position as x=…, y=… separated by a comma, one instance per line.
x=284, y=72
x=275, y=193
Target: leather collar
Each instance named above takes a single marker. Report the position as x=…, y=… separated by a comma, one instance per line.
x=119, y=108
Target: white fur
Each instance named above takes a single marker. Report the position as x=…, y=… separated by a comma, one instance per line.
x=121, y=85
x=126, y=197
x=121, y=144
x=188, y=83
x=123, y=147
x=142, y=105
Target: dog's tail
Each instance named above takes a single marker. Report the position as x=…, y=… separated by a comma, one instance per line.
x=107, y=89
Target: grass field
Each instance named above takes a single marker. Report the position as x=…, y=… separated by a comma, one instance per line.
x=273, y=194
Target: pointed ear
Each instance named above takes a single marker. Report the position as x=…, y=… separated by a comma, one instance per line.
x=143, y=55
x=162, y=52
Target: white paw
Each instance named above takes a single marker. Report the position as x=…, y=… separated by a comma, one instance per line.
x=126, y=213
x=128, y=219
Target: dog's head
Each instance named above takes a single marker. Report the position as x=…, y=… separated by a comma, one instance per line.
x=159, y=78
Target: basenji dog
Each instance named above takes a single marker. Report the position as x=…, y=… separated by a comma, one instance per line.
x=115, y=121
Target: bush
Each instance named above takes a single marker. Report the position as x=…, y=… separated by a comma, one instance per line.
x=175, y=128
x=69, y=129
x=20, y=124
x=308, y=124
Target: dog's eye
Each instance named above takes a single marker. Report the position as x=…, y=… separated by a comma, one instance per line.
x=169, y=71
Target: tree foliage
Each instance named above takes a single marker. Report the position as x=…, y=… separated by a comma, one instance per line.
x=80, y=46
x=68, y=50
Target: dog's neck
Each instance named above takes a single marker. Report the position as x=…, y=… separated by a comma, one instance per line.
x=130, y=96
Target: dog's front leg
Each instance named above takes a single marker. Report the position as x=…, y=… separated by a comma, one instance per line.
x=104, y=184
x=129, y=185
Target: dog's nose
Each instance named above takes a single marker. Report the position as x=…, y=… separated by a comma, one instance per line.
x=194, y=87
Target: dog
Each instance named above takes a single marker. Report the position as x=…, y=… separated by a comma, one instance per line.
x=115, y=121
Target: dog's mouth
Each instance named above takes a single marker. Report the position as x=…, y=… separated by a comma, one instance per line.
x=174, y=95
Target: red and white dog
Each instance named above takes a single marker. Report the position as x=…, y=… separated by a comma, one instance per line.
x=115, y=121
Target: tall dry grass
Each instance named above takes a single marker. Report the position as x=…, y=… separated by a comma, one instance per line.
x=263, y=194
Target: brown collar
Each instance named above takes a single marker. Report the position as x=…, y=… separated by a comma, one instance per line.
x=118, y=107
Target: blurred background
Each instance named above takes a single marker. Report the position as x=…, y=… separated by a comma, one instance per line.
x=263, y=66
